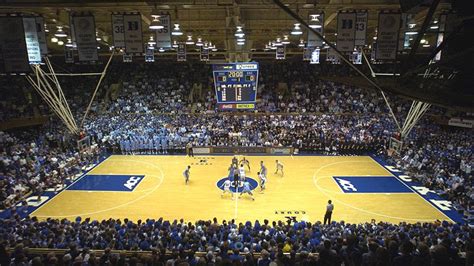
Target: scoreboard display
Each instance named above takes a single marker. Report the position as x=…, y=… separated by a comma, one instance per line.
x=236, y=85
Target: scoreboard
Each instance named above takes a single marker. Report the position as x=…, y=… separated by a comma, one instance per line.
x=236, y=85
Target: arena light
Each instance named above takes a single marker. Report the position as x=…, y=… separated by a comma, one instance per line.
x=156, y=23
x=60, y=33
x=151, y=42
x=97, y=36
x=161, y=50
x=60, y=42
x=54, y=39
x=175, y=44
x=241, y=42
x=211, y=45
x=277, y=42
x=241, y=39
x=314, y=21
x=69, y=43
x=190, y=41
x=301, y=44
x=426, y=45
x=434, y=27
x=239, y=32
x=176, y=31
x=296, y=30
x=199, y=42
x=46, y=28
x=285, y=40
x=411, y=33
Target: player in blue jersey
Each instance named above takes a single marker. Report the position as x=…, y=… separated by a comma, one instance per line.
x=186, y=174
x=235, y=162
x=246, y=189
x=279, y=167
x=263, y=169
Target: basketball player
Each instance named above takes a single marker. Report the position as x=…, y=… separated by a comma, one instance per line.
x=263, y=169
x=247, y=190
x=279, y=167
x=186, y=174
x=245, y=162
x=226, y=187
x=242, y=172
x=235, y=162
x=263, y=180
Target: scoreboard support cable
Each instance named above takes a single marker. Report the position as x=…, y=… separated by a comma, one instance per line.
x=236, y=85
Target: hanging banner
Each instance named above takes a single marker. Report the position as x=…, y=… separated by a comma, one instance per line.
x=361, y=29
x=41, y=35
x=387, y=36
x=31, y=39
x=133, y=33
x=332, y=56
x=307, y=51
x=13, y=45
x=403, y=38
x=356, y=57
x=181, y=54
x=441, y=31
x=117, y=31
x=280, y=53
x=316, y=22
x=71, y=28
x=163, y=36
x=315, y=56
x=84, y=28
x=127, y=58
x=346, y=31
x=69, y=54
x=149, y=55
x=204, y=56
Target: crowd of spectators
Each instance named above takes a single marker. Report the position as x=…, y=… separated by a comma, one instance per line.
x=230, y=243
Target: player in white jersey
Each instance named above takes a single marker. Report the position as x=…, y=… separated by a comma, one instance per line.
x=226, y=186
x=186, y=174
x=242, y=172
x=245, y=162
x=279, y=167
x=263, y=180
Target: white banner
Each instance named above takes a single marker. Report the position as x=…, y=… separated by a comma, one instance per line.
x=117, y=31
x=204, y=55
x=315, y=56
x=149, y=55
x=332, y=56
x=133, y=33
x=84, y=28
x=181, y=54
x=346, y=31
x=441, y=29
x=313, y=39
x=387, y=36
x=31, y=39
x=41, y=35
x=307, y=51
x=361, y=29
x=163, y=36
x=13, y=45
x=280, y=53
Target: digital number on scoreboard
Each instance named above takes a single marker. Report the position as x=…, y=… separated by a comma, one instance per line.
x=236, y=85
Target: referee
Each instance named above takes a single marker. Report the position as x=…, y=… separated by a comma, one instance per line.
x=329, y=209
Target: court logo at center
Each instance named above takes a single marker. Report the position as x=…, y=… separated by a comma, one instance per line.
x=252, y=183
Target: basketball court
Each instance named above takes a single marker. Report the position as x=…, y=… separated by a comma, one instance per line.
x=144, y=186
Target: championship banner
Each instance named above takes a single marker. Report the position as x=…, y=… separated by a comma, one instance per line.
x=280, y=53
x=84, y=29
x=387, y=36
x=356, y=57
x=13, y=45
x=133, y=33
x=307, y=51
x=204, y=55
x=346, y=31
x=332, y=56
x=117, y=31
x=315, y=56
x=313, y=39
x=31, y=39
x=41, y=35
x=69, y=54
x=127, y=58
x=361, y=28
x=181, y=54
x=163, y=36
x=149, y=55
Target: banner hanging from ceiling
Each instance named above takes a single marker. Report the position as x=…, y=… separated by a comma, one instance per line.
x=316, y=22
x=13, y=45
x=181, y=54
x=280, y=53
x=315, y=56
x=204, y=55
x=163, y=36
x=31, y=39
x=150, y=55
x=133, y=33
x=361, y=28
x=387, y=36
x=41, y=35
x=84, y=29
x=307, y=51
x=346, y=31
x=118, y=31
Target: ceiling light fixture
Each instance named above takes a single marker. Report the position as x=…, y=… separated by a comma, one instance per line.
x=156, y=23
x=161, y=50
x=285, y=40
x=60, y=33
x=190, y=41
x=199, y=42
x=54, y=39
x=239, y=32
x=277, y=42
x=151, y=42
x=296, y=30
x=175, y=44
x=301, y=44
x=176, y=31
x=69, y=43
x=60, y=42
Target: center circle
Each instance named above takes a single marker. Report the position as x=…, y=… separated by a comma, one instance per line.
x=252, y=182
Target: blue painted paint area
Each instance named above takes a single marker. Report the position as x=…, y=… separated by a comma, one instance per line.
x=118, y=183
x=253, y=184
x=430, y=196
x=371, y=184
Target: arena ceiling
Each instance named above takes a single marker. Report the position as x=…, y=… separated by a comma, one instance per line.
x=213, y=20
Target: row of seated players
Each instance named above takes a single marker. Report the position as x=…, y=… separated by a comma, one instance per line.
x=229, y=243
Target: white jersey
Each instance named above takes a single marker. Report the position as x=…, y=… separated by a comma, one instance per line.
x=279, y=165
x=263, y=179
x=227, y=184
x=242, y=172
